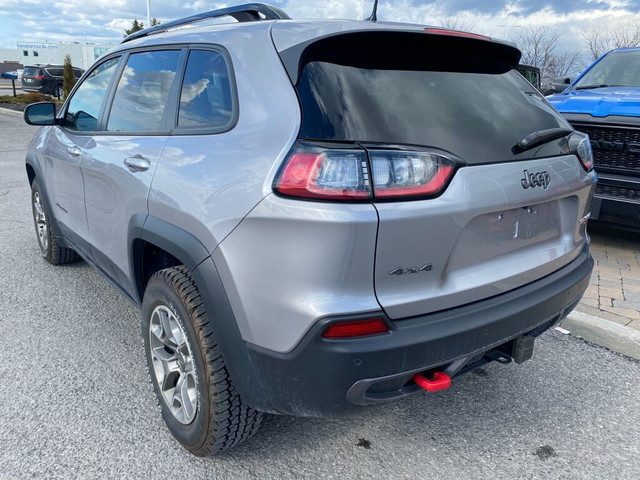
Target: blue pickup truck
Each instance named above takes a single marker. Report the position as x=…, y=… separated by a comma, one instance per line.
x=604, y=102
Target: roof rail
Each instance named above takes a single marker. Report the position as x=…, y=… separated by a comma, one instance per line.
x=249, y=12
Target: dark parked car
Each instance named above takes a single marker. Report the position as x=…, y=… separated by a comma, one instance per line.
x=604, y=102
x=46, y=79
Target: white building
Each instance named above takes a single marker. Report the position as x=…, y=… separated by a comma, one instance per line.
x=30, y=53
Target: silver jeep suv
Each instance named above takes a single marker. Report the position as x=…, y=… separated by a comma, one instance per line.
x=314, y=216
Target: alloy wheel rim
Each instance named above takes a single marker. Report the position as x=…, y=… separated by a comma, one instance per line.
x=173, y=364
x=41, y=221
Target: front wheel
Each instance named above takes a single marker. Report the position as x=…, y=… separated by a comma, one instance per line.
x=49, y=247
x=198, y=401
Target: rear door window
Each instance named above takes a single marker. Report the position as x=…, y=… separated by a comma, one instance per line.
x=85, y=104
x=141, y=96
x=206, y=95
x=55, y=72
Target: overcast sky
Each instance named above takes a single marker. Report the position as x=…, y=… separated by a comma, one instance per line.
x=103, y=21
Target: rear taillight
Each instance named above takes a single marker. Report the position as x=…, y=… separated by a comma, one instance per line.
x=585, y=154
x=39, y=77
x=328, y=174
x=337, y=174
x=409, y=174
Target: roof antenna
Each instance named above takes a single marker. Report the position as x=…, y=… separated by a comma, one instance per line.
x=374, y=13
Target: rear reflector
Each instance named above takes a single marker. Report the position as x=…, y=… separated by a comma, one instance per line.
x=356, y=328
x=455, y=33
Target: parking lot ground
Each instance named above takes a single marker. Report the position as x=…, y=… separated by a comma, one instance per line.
x=77, y=403
x=614, y=290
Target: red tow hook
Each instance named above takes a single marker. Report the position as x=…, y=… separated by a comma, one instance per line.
x=440, y=381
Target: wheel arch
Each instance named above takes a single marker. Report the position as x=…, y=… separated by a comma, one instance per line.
x=32, y=166
x=149, y=233
x=155, y=244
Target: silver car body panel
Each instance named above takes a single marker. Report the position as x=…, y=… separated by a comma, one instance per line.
x=206, y=184
x=484, y=236
x=64, y=182
x=291, y=262
x=114, y=194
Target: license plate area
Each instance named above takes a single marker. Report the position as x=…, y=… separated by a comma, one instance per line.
x=521, y=225
x=502, y=233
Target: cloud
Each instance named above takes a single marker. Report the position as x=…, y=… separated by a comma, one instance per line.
x=104, y=21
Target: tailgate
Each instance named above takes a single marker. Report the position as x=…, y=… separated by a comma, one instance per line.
x=484, y=236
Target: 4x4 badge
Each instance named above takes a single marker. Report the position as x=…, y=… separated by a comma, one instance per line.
x=533, y=180
x=404, y=271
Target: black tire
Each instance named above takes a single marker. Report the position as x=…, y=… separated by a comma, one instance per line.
x=58, y=91
x=221, y=419
x=49, y=244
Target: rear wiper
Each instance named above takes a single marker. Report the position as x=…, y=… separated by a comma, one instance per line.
x=540, y=137
x=602, y=85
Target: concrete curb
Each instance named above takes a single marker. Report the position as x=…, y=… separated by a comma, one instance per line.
x=605, y=333
x=11, y=113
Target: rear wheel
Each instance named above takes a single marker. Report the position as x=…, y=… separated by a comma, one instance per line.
x=198, y=401
x=49, y=245
x=58, y=91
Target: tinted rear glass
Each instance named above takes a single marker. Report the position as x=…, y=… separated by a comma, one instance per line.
x=477, y=116
x=55, y=72
x=30, y=71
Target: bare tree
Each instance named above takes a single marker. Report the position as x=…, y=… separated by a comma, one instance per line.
x=459, y=22
x=541, y=47
x=602, y=38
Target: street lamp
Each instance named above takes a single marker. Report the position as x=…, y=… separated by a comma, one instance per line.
x=506, y=37
x=148, y=13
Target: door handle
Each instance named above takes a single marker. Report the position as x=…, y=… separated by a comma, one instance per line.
x=137, y=163
x=74, y=151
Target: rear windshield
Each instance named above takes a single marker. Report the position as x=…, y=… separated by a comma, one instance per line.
x=477, y=116
x=31, y=71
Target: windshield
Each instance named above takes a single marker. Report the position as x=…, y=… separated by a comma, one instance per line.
x=616, y=69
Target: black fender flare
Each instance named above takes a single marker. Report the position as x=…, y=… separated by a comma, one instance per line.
x=193, y=254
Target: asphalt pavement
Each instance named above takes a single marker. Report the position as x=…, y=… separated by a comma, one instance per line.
x=76, y=402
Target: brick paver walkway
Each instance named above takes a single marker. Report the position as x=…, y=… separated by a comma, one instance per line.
x=614, y=289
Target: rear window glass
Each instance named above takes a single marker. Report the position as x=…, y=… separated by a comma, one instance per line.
x=55, y=72
x=31, y=71
x=477, y=116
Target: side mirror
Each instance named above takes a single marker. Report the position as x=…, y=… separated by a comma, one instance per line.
x=43, y=113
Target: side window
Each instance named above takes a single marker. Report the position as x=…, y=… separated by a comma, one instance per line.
x=205, y=98
x=142, y=92
x=84, y=107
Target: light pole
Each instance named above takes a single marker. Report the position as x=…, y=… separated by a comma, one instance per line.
x=506, y=37
x=148, y=13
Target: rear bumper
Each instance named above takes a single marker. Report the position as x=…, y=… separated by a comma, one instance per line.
x=332, y=377
x=617, y=202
